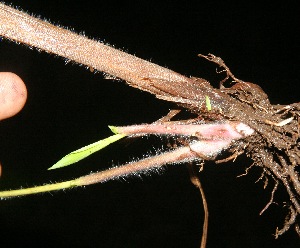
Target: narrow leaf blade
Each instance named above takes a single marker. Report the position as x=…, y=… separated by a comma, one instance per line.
x=86, y=151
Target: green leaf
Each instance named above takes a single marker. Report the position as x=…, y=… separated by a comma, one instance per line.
x=207, y=101
x=114, y=129
x=86, y=151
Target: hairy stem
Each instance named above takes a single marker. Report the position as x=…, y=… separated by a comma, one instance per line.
x=23, y=28
x=164, y=83
x=182, y=154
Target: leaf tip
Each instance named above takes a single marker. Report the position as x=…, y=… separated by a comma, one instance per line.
x=55, y=166
x=114, y=129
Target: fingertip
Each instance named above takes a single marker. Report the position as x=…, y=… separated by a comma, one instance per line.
x=13, y=94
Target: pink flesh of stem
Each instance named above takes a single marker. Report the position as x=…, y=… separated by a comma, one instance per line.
x=218, y=131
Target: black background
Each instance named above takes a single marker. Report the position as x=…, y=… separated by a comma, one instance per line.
x=69, y=107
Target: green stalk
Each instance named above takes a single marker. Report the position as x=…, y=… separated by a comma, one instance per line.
x=40, y=189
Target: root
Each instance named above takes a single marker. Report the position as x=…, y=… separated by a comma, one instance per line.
x=247, y=170
x=221, y=63
x=288, y=223
x=297, y=229
x=196, y=181
x=231, y=157
x=271, y=199
x=276, y=166
x=280, y=124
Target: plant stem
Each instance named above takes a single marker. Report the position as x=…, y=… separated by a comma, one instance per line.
x=181, y=154
x=23, y=28
x=134, y=168
x=39, y=189
x=164, y=83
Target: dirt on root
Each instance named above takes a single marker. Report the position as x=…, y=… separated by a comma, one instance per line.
x=275, y=145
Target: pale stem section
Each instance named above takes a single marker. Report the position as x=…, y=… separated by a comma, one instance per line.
x=23, y=28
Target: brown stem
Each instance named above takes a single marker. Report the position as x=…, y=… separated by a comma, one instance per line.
x=23, y=28
x=164, y=83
